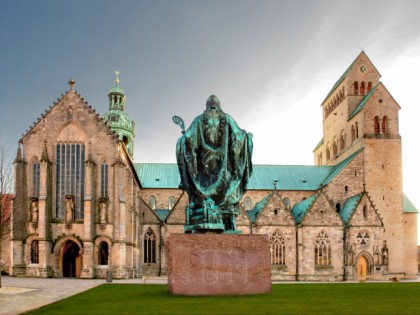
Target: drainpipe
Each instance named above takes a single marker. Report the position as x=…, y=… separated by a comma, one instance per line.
x=344, y=252
x=160, y=248
x=297, y=252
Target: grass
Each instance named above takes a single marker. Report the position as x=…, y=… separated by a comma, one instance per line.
x=334, y=298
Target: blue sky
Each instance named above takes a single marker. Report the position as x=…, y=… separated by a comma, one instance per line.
x=271, y=63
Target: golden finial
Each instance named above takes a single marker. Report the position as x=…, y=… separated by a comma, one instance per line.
x=117, y=80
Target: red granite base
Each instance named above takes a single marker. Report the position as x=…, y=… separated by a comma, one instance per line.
x=218, y=264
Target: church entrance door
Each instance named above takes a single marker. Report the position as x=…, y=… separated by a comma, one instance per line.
x=362, y=267
x=72, y=261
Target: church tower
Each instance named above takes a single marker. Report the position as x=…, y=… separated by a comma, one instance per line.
x=359, y=112
x=117, y=119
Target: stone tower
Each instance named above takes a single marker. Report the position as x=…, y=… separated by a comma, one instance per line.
x=117, y=119
x=359, y=112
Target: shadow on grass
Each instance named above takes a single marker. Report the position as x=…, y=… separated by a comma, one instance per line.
x=334, y=298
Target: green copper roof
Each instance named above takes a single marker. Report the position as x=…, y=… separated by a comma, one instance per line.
x=321, y=142
x=349, y=207
x=116, y=89
x=157, y=175
x=162, y=214
x=408, y=206
x=259, y=206
x=339, y=167
x=300, y=209
x=363, y=102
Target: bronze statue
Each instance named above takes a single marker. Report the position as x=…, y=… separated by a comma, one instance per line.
x=214, y=161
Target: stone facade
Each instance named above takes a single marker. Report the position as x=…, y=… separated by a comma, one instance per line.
x=85, y=214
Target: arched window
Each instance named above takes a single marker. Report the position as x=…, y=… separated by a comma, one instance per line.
x=385, y=124
x=376, y=124
x=335, y=151
x=338, y=207
x=70, y=178
x=365, y=211
x=103, y=253
x=342, y=140
x=152, y=202
x=357, y=130
x=248, y=203
x=322, y=250
x=149, y=247
x=36, y=177
x=356, y=88
x=171, y=202
x=369, y=87
x=104, y=179
x=362, y=88
x=34, y=252
x=328, y=152
x=277, y=249
x=353, y=134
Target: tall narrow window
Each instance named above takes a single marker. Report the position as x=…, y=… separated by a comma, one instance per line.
x=248, y=203
x=36, y=179
x=103, y=253
x=342, y=140
x=353, y=133
x=327, y=153
x=369, y=87
x=357, y=130
x=385, y=124
x=362, y=88
x=335, y=151
x=149, y=247
x=322, y=250
x=365, y=211
x=104, y=179
x=34, y=252
x=376, y=124
x=277, y=249
x=356, y=88
x=70, y=177
x=152, y=202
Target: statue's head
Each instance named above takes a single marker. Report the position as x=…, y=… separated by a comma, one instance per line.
x=213, y=103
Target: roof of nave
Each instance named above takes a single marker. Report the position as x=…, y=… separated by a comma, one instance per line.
x=88, y=106
x=343, y=76
x=289, y=177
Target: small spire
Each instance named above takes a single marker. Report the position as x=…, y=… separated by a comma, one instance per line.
x=117, y=80
x=71, y=83
x=18, y=154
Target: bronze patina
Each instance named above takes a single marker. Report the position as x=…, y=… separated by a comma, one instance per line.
x=214, y=161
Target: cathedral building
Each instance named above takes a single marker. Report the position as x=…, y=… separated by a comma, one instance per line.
x=83, y=207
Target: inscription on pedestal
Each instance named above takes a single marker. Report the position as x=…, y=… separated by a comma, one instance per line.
x=218, y=264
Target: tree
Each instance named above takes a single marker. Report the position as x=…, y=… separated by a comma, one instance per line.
x=6, y=189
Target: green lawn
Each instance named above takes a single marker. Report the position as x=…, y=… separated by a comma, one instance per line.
x=334, y=298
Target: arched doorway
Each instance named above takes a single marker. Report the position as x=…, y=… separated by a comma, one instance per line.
x=362, y=267
x=72, y=260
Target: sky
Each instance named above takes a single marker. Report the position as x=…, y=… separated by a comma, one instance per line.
x=271, y=64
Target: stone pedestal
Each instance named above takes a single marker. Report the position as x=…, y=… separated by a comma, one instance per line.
x=218, y=264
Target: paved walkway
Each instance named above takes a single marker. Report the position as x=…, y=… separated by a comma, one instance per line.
x=18, y=295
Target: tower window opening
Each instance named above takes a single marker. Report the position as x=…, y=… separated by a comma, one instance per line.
x=356, y=88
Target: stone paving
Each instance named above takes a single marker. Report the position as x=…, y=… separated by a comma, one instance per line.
x=19, y=295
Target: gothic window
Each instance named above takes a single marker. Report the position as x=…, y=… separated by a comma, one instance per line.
x=104, y=179
x=34, y=252
x=171, y=202
x=363, y=238
x=36, y=179
x=103, y=253
x=149, y=247
x=369, y=87
x=376, y=124
x=277, y=249
x=70, y=177
x=322, y=250
x=248, y=203
x=356, y=88
x=152, y=202
x=385, y=124
x=362, y=88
